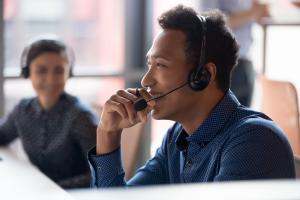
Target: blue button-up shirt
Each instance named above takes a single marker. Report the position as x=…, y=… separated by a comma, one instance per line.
x=233, y=143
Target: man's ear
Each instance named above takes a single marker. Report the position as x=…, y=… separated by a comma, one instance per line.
x=212, y=69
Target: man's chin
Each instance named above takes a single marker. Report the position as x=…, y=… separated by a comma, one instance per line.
x=156, y=115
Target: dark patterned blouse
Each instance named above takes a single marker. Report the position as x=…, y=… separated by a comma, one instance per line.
x=56, y=140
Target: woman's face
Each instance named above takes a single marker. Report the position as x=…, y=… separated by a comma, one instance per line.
x=48, y=74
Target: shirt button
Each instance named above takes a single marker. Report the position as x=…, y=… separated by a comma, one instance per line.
x=189, y=163
x=99, y=168
x=202, y=144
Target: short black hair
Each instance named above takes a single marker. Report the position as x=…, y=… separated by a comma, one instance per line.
x=221, y=46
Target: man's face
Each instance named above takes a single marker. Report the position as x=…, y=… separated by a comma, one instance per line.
x=168, y=69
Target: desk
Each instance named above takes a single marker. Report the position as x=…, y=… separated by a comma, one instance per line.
x=21, y=180
x=254, y=190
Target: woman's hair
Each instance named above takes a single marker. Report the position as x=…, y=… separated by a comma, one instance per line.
x=41, y=46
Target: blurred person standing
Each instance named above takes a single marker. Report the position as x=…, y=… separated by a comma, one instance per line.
x=54, y=127
x=241, y=15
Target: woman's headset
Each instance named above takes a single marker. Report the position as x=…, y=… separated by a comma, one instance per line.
x=37, y=47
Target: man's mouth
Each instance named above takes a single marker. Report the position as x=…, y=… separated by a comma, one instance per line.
x=155, y=94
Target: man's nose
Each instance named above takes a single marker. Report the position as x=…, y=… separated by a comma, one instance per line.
x=148, y=78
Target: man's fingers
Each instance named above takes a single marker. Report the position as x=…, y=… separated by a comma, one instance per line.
x=123, y=102
x=134, y=91
x=114, y=106
x=143, y=92
x=143, y=114
x=128, y=94
x=128, y=105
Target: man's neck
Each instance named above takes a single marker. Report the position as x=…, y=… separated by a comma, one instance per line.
x=199, y=112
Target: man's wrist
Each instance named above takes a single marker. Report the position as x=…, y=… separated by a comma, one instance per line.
x=107, y=141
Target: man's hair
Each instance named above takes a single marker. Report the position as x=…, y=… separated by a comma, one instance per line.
x=221, y=47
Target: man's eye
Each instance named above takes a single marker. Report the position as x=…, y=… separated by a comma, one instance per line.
x=160, y=65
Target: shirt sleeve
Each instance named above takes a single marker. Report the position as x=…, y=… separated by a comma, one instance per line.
x=107, y=170
x=85, y=127
x=259, y=152
x=8, y=130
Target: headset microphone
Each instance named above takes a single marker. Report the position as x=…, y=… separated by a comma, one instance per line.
x=141, y=104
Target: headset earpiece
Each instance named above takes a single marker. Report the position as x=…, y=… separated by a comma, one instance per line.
x=199, y=81
x=25, y=72
x=24, y=67
x=199, y=77
x=71, y=59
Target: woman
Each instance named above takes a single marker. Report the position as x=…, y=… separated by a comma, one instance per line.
x=55, y=128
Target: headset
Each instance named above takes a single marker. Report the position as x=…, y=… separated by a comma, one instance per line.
x=198, y=78
x=43, y=45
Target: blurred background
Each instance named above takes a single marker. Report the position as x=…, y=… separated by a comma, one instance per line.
x=111, y=37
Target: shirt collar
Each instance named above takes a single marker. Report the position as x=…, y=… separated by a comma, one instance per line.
x=181, y=142
x=213, y=123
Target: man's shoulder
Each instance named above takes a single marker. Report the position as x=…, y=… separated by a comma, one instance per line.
x=250, y=119
x=254, y=124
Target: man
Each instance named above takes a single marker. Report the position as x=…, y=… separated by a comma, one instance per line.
x=214, y=138
x=241, y=16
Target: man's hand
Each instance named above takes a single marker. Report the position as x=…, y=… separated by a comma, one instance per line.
x=118, y=113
